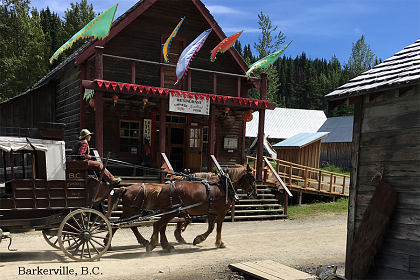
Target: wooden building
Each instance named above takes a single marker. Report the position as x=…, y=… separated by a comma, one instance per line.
x=386, y=145
x=336, y=147
x=303, y=148
x=135, y=97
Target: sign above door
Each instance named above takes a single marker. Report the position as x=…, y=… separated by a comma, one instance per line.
x=189, y=105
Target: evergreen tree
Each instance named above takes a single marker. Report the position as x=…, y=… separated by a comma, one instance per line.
x=269, y=41
x=362, y=57
x=52, y=25
x=22, y=48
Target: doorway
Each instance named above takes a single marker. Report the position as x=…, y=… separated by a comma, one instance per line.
x=175, y=147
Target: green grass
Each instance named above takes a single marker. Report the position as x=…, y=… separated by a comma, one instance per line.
x=335, y=169
x=296, y=212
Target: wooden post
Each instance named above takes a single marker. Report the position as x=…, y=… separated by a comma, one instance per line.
x=162, y=131
x=331, y=182
x=4, y=166
x=214, y=83
x=286, y=202
x=260, y=147
x=306, y=177
x=133, y=73
x=99, y=118
x=300, y=198
x=344, y=184
x=238, y=82
x=265, y=177
x=290, y=174
x=335, y=181
x=189, y=80
x=83, y=76
x=212, y=136
x=319, y=179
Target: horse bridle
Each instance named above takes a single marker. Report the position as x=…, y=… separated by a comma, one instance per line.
x=251, y=180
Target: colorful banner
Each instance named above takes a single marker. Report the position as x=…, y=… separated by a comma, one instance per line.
x=167, y=45
x=188, y=54
x=98, y=28
x=224, y=45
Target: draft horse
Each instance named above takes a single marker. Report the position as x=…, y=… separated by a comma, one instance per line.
x=203, y=197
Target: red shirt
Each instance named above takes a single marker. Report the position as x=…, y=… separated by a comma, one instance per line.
x=83, y=150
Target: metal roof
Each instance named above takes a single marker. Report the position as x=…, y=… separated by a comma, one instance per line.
x=340, y=129
x=282, y=123
x=402, y=68
x=300, y=140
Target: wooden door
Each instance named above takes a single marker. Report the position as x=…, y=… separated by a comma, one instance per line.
x=175, y=146
x=195, y=147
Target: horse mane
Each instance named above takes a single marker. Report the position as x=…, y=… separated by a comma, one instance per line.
x=236, y=173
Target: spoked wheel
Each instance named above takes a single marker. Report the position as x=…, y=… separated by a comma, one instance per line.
x=50, y=235
x=82, y=235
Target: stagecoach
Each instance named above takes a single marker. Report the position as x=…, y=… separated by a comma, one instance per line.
x=41, y=190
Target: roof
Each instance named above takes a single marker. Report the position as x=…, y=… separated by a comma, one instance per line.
x=340, y=129
x=402, y=68
x=300, y=140
x=282, y=123
x=115, y=28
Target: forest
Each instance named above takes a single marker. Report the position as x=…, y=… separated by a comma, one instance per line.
x=29, y=37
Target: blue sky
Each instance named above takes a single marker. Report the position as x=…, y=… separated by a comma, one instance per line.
x=320, y=28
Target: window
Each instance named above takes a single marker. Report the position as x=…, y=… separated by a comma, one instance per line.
x=195, y=135
x=129, y=136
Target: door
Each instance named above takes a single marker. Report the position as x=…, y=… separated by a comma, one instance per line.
x=195, y=148
x=175, y=146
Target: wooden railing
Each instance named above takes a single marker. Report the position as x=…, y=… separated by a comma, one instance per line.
x=304, y=178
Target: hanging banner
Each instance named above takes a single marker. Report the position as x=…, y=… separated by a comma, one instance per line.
x=189, y=105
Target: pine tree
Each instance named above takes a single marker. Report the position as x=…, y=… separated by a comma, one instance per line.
x=52, y=25
x=22, y=48
x=362, y=57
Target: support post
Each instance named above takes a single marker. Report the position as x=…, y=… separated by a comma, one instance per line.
x=162, y=128
x=83, y=75
x=212, y=136
x=133, y=72
x=99, y=113
x=260, y=150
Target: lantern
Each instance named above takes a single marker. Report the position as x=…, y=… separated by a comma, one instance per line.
x=145, y=101
x=115, y=99
x=227, y=109
x=92, y=103
x=247, y=116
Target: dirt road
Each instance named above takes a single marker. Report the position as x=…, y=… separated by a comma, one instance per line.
x=296, y=243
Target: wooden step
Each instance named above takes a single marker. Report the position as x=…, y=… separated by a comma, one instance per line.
x=258, y=217
x=238, y=212
x=256, y=205
x=257, y=201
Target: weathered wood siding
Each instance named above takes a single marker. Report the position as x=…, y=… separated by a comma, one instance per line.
x=338, y=154
x=390, y=144
x=29, y=110
x=308, y=155
x=67, y=103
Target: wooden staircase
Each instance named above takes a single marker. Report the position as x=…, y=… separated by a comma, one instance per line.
x=265, y=207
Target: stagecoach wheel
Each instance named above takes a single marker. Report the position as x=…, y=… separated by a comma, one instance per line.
x=50, y=235
x=82, y=235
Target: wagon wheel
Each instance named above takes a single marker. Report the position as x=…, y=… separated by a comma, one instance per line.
x=50, y=235
x=82, y=235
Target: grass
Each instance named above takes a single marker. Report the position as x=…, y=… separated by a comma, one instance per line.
x=336, y=169
x=296, y=212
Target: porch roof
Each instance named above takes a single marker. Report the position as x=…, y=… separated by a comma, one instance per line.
x=126, y=88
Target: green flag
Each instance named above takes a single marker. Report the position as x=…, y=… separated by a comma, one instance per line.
x=266, y=61
x=98, y=28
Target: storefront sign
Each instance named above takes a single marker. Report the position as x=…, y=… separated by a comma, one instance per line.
x=147, y=130
x=189, y=105
x=230, y=143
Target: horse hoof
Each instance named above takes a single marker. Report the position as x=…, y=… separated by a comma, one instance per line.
x=197, y=240
x=221, y=245
x=169, y=249
x=144, y=244
x=181, y=241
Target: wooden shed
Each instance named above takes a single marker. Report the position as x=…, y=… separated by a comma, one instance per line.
x=386, y=146
x=303, y=148
x=127, y=67
x=336, y=147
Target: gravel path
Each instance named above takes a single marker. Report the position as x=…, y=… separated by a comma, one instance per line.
x=302, y=244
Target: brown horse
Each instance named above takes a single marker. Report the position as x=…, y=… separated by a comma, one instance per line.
x=207, y=200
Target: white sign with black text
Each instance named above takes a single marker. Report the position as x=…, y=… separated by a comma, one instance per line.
x=189, y=105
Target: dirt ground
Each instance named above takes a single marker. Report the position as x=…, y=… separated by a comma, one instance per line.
x=302, y=244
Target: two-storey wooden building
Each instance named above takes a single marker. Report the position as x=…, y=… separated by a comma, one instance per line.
x=135, y=97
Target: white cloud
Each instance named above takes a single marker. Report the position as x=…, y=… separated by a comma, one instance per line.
x=219, y=9
x=237, y=29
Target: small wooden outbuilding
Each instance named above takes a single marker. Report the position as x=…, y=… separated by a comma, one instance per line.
x=386, y=146
x=336, y=147
x=303, y=148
